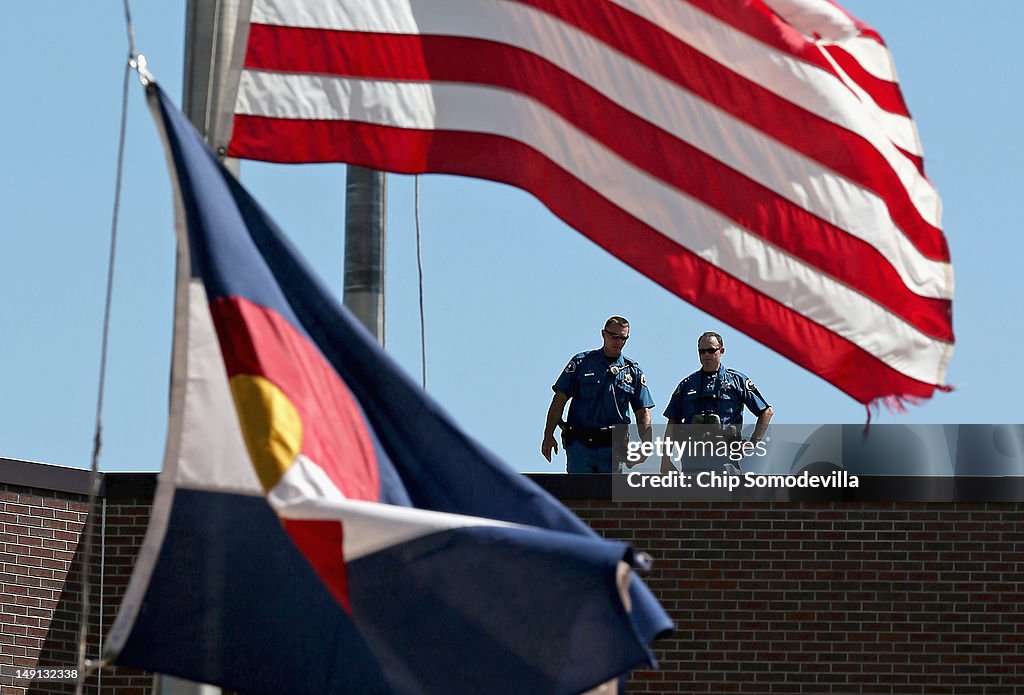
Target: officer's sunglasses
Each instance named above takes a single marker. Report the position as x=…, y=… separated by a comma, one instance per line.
x=708, y=351
x=615, y=336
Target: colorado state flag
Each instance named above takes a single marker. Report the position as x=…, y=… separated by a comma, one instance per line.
x=321, y=525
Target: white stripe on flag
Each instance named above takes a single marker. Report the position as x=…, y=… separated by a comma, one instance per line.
x=211, y=451
x=815, y=17
x=306, y=492
x=872, y=56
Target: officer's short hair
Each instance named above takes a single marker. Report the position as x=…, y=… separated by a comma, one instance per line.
x=711, y=334
x=616, y=321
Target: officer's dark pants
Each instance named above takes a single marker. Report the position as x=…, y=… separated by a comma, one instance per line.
x=582, y=459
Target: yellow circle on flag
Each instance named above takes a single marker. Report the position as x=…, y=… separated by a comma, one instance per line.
x=271, y=426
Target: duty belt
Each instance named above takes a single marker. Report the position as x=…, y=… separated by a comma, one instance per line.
x=709, y=425
x=591, y=437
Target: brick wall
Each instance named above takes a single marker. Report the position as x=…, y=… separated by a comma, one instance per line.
x=768, y=597
x=38, y=542
x=41, y=576
x=831, y=597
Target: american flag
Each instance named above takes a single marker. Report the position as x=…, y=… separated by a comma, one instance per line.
x=754, y=157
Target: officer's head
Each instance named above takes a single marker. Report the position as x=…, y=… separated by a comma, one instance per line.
x=615, y=334
x=710, y=348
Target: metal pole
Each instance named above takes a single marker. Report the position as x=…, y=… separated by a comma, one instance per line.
x=365, y=200
x=210, y=42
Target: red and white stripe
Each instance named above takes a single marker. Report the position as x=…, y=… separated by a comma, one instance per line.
x=755, y=158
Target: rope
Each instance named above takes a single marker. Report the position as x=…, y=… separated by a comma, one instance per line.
x=94, y=478
x=129, y=28
x=419, y=265
x=215, y=48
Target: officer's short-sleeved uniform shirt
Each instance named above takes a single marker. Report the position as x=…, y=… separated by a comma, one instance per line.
x=724, y=393
x=603, y=391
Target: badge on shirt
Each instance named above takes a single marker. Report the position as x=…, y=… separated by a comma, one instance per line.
x=628, y=378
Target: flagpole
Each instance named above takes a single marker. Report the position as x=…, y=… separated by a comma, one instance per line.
x=211, y=32
x=365, y=239
x=210, y=41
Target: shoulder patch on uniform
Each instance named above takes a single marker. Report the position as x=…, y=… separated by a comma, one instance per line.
x=750, y=385
x=575, y=362
x=643, y=379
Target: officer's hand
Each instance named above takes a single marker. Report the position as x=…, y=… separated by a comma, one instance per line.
x=547, y=445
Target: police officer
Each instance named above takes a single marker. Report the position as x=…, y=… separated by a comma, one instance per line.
x=604, y=385
x=715, y=395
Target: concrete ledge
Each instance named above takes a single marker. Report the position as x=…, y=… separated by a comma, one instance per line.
x=574, y=486
x=44, y=476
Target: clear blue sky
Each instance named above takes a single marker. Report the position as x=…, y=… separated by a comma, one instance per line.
x=511, y=292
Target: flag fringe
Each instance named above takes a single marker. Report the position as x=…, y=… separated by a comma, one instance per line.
x=897, y=404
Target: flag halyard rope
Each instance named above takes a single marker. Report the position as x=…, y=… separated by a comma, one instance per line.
x=87, y=666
